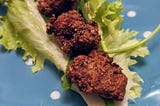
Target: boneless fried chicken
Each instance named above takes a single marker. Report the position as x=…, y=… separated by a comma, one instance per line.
x=50, y=7
x=73, y=34
x=91, y=70
x=96, y=73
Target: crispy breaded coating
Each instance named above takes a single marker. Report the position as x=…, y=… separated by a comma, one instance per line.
x=57, y=7
x=96, y=73
x=73, y=34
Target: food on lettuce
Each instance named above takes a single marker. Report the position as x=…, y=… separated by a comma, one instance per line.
x=56, y=7
x=97, y=73
x=73, y=34
x=23, y=27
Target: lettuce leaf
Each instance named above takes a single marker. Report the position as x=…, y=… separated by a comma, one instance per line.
x=23, y=27
x=89, y=8
x=91, y=99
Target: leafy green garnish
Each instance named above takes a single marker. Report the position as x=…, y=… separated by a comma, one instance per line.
x=23, y=27
x=133, y=46
x=121, y=44
x=109, y=102
x=66, y=84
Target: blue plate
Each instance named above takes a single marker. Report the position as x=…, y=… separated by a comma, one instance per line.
x=19, y=87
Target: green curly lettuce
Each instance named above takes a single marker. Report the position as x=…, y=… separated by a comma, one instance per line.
x=23, y=27
x=119, y=43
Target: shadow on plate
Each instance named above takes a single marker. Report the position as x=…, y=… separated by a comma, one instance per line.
x=3, y=50
x=140, y=62
x=73, y=98
x=4, y=8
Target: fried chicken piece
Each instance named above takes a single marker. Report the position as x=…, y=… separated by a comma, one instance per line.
x=57, y=7
x=96, y=73
x=73, y=34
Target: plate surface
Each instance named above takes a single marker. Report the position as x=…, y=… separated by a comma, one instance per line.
x=19, y=87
